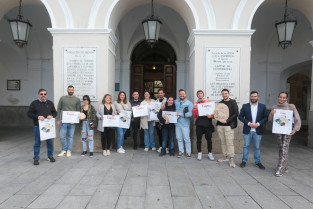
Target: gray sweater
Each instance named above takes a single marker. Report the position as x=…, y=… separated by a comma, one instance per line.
x=67, y=103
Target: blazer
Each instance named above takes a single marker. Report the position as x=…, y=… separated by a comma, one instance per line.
x=245, y=116
x=144, y=119
x=100, y=113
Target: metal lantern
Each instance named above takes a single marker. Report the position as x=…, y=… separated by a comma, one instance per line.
x=20, y=28
x=285, y=29
x=151, y=27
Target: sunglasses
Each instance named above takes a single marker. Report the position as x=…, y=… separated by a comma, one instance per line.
x=43, y=94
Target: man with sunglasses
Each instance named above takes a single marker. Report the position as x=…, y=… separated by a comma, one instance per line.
x=41, y=109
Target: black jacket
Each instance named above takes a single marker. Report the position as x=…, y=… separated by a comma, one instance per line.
x=233, y=114
x=38, y=108
x=136, y=122
x=162, y=120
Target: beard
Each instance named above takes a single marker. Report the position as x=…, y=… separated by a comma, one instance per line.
x=253, y=100
x=70, y=93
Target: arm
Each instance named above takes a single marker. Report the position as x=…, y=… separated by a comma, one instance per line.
x=297, y=119
x=235, y=112
x=78, y=106
x=189, y=113
x=264, y=116
x=195, y=112
x=242, y=116
x=94, y=116
x=31, y=111
x=270, y=116
x=59, y=110
x=54, y=112
x=161, y=119
x=98, y=114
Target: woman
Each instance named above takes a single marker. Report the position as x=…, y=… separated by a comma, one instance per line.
x=106, y=132
x=283, y=140
x=88, y=124
x=147, y=125
x=167, y=128
x=121, y=104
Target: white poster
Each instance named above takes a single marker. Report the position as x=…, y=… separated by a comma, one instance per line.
x=124, y=119
x=80, y=70
x=47, y=129
x=282, y=121
x=70, y=117
x=140, y=111
x=110, y=121
x=206, y=108
x=171, y=115
x=155, y=108
x=222, y=71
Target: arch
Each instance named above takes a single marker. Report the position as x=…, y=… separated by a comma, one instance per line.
x=67, y=14
x=50, y=12
x=209, y=13
x=238, y=13
x=253, y=12
x=93, y=14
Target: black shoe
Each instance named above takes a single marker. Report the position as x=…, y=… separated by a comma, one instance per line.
x=161, y=155
x=243, y=164
x=36, y=161
x=180, y=155
x=260, y=166
x=90, y=154
x=84, y=153
x=172, y=154
x=51, y=159
x=135, y=147
x=188, y=156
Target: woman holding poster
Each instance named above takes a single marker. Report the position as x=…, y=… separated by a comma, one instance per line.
x=106, y=108
x=147, y=125
x=283, y=140
x=121, y=104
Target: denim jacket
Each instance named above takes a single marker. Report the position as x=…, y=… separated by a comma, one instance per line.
x=184, y=118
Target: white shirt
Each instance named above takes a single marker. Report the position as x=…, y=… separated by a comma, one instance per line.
x=254, y=111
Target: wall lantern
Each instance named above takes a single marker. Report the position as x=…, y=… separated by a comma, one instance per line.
x=151, y=27
x=285, y=30
x=20, y=28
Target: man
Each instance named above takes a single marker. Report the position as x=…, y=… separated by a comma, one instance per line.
x=182, y=129
x=41, y=109
x=158, y=127
x=253, y=115
x=135, y=122
x=67, y=103
x=225, y=129
x=203, y=126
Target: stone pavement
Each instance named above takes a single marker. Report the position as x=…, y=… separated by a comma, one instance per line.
x=144, y=180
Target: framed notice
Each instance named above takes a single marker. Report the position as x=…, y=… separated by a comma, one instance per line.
x=172, y=116
x=80, y=70
x=47, y=129
x=282, y=121
x=14, y=85
x=155, y=108
x=206, y=108
x=70, y=117
x=139, y=111
x=222, y=71
x=110, y=121
x=124, y=119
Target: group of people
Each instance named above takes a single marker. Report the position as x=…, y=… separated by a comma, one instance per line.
x=253, y=115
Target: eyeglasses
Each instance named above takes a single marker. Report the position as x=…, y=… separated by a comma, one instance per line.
x=43, y=94
x=85, y=99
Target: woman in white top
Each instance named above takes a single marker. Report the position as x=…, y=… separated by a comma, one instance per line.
x=147, y=125
x=121, y=104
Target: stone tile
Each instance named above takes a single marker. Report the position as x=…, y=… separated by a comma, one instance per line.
x=77, y=202
x=134, y=186
x=130, y=202
x=91, y=180
x=105, y=197
x=297, y=202
x=242, y=202
x=181, y=186
x=186, y=202
x=115, y=176
x=47, y=201
x=275, y=186
x=60, y=189
x=81, y=189
x=158, y=197
x=228, y=186
x=8, y=190
x=18, y=201
x=73, y=176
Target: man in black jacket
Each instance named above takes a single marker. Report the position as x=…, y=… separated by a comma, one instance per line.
x=135, y=122
x=225, y=129
x=41, y=109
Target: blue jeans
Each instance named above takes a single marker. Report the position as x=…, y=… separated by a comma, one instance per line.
x=87, y=134
x=38, y=142
x=168, y=134
x=149, y=136
x=70, y=130
x=256, y=146
x=120, y=136
x=183, y=133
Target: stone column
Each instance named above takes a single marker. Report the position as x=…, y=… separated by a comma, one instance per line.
x=310, y=119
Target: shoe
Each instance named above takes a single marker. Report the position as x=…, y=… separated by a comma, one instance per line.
x=105, y=153
x=160, y=148
x=223, y=159
x=278, y=174
x=108, y=153
x=210, y=156
x=260, y=166
x=62, y=153
x=188, y=156
x=199, y=156
x=36, y=161
x=84, y=153
x=243, y=164
x=120, y=151
x=232, y=163
x=167, y=150
x=90, y=154
x=172, y=154
x=146, y=149
x=153, y=148
x=161, y=155
x=135, y=147
x=68, y=153
x=51, y=159
x=180, y=155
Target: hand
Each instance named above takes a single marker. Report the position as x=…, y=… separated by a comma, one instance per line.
x=208, y=115
x=92, y=126
x=117, y=111
x=138, y=105
x=113, y=114
x=162, y=107
x=101, y=118
x=273, y=112
x=41, y=118
x=223, y=121
x=195, y=105
x=178, y=114
x=292, y=133
x=133, y=119
x=251, y=125
x=72, y=123
x=58, y=123
x=167, y=122
x=49, y=117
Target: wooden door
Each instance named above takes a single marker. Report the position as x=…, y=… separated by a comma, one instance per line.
x=170, y=80
x=136, y=79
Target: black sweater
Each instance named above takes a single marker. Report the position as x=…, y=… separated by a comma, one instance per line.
x=38, y=108
x=162, y=120
x=233, y=114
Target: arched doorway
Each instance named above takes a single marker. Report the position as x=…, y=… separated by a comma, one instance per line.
x=154, y=68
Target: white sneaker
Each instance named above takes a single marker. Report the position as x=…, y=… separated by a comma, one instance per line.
x=199, y=156
x=105, y=153
x=62, y=153
x=146, y=149
x=160, y=148
x=108, y=152
x=167, y=151
x=210, y=156
x=153, y=148
x=68, y=153
x=120, y=151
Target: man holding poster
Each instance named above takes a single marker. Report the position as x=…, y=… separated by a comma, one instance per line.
x=283, y=140
x=41, y=109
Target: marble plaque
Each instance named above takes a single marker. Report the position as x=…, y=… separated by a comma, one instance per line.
x=222, y=71
x=80, y=71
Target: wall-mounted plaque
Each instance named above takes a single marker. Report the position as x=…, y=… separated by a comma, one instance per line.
x=14, y=85
x=222, y=71
x=80, y=70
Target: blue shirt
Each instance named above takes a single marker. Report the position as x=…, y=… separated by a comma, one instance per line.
x=184, y=118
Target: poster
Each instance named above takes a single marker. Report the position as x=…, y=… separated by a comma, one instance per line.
x=206, y=108
x=124, y=119
x=171, y=115
x=47, y=129
x=155, y=108
x=70, y=117
x=139, y=111
x=110, y=121
x=282, y=121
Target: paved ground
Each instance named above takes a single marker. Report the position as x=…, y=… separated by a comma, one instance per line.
x=144, y=180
